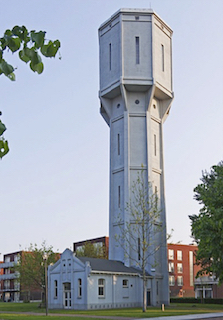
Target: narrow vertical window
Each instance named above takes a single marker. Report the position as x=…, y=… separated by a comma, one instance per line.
x=154, y=144
x=55, y=289
x=119, y=196
x=109, y=56
x=79, y=288
x=118, y=144
x=139, y=256
x=156, y=197
x=137, y=50
x=162, y=53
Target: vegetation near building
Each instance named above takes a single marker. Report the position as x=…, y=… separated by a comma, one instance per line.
x=92, y=250
x=207, y=226
x=138, y=236
x=31, y=268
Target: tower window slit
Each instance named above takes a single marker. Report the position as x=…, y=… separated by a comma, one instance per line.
x=162, y=53
x=155, y=144
x=118, y=144
x=109, y=56
x=139, y=256
x=137, y=50
x=119, y=196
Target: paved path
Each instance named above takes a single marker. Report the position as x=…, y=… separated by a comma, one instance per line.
x=204, y=316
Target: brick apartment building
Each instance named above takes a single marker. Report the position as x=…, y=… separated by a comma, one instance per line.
x=1, y=281
x=182, y=269
x=10, y=288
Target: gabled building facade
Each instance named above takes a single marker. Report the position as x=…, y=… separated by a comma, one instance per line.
x=89, y=283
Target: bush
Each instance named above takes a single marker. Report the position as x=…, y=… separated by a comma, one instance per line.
x=194, y=300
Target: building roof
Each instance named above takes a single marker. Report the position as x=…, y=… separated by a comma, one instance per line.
x=109, y=266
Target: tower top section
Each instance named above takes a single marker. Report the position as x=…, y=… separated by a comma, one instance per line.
x=135, y=52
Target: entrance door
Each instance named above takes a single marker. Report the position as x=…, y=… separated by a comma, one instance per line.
x=148, y=298
x=67, y=295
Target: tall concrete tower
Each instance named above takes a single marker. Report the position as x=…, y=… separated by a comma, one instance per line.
x=136, y=96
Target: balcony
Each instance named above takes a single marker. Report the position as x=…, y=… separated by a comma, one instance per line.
x=7, y=265
x=8, y=276
x=9, y=290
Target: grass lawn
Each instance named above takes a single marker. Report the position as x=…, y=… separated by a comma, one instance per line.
x=9, y=311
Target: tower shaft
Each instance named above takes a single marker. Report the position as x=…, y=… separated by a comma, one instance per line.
x=136, y=95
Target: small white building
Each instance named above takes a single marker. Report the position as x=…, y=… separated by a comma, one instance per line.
x=89, y=283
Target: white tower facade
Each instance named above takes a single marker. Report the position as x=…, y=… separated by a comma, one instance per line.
x=136, y=96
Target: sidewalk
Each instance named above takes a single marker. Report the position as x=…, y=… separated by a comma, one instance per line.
x=207, y=316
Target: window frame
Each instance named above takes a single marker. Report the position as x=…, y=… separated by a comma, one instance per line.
x=101, y=286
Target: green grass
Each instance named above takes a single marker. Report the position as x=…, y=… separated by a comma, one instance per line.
x=10, y=310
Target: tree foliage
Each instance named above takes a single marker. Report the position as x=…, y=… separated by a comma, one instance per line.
x=4, y=148
x=207, y=226
x=139, y=234
x=92, y=250
x=31, y=269
x=30, y=47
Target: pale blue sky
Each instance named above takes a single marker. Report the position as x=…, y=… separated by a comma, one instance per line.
x=55, y=180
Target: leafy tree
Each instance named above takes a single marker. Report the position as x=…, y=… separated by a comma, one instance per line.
x=31, y=267
x=207, y=226
x=4, y=149
x=30, y=47
x=92, y=250
x=143, y=228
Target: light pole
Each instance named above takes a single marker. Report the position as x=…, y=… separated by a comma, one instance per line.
x=45, y=257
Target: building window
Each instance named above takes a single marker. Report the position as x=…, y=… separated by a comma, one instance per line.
x=125, y=283
x=162, y=53
x=119, y=196
x=118, y=144
x=139, y=249
x=109, y=56
x=154, y=145
x=179, y=280
x=171, y=267
x=101, y=288
x=55, y=289
x=179, y=268
x=157, y=288
x=179, y=255
x=137, y=50
x=171, y=254
x=171, y=281
x=79, y=288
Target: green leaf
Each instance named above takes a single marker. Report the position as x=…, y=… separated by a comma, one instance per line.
x=23, y=56
x=2, y=128
x=8, y=33
x=20, y=32
x=37, y=67
x=33, y=55
x=11, y=76
x=6, y=68
x=38, y=38
x=50, y=49
x=4, y=148
x=14, y=44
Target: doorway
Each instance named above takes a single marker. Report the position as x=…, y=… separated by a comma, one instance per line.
x=67, y=295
